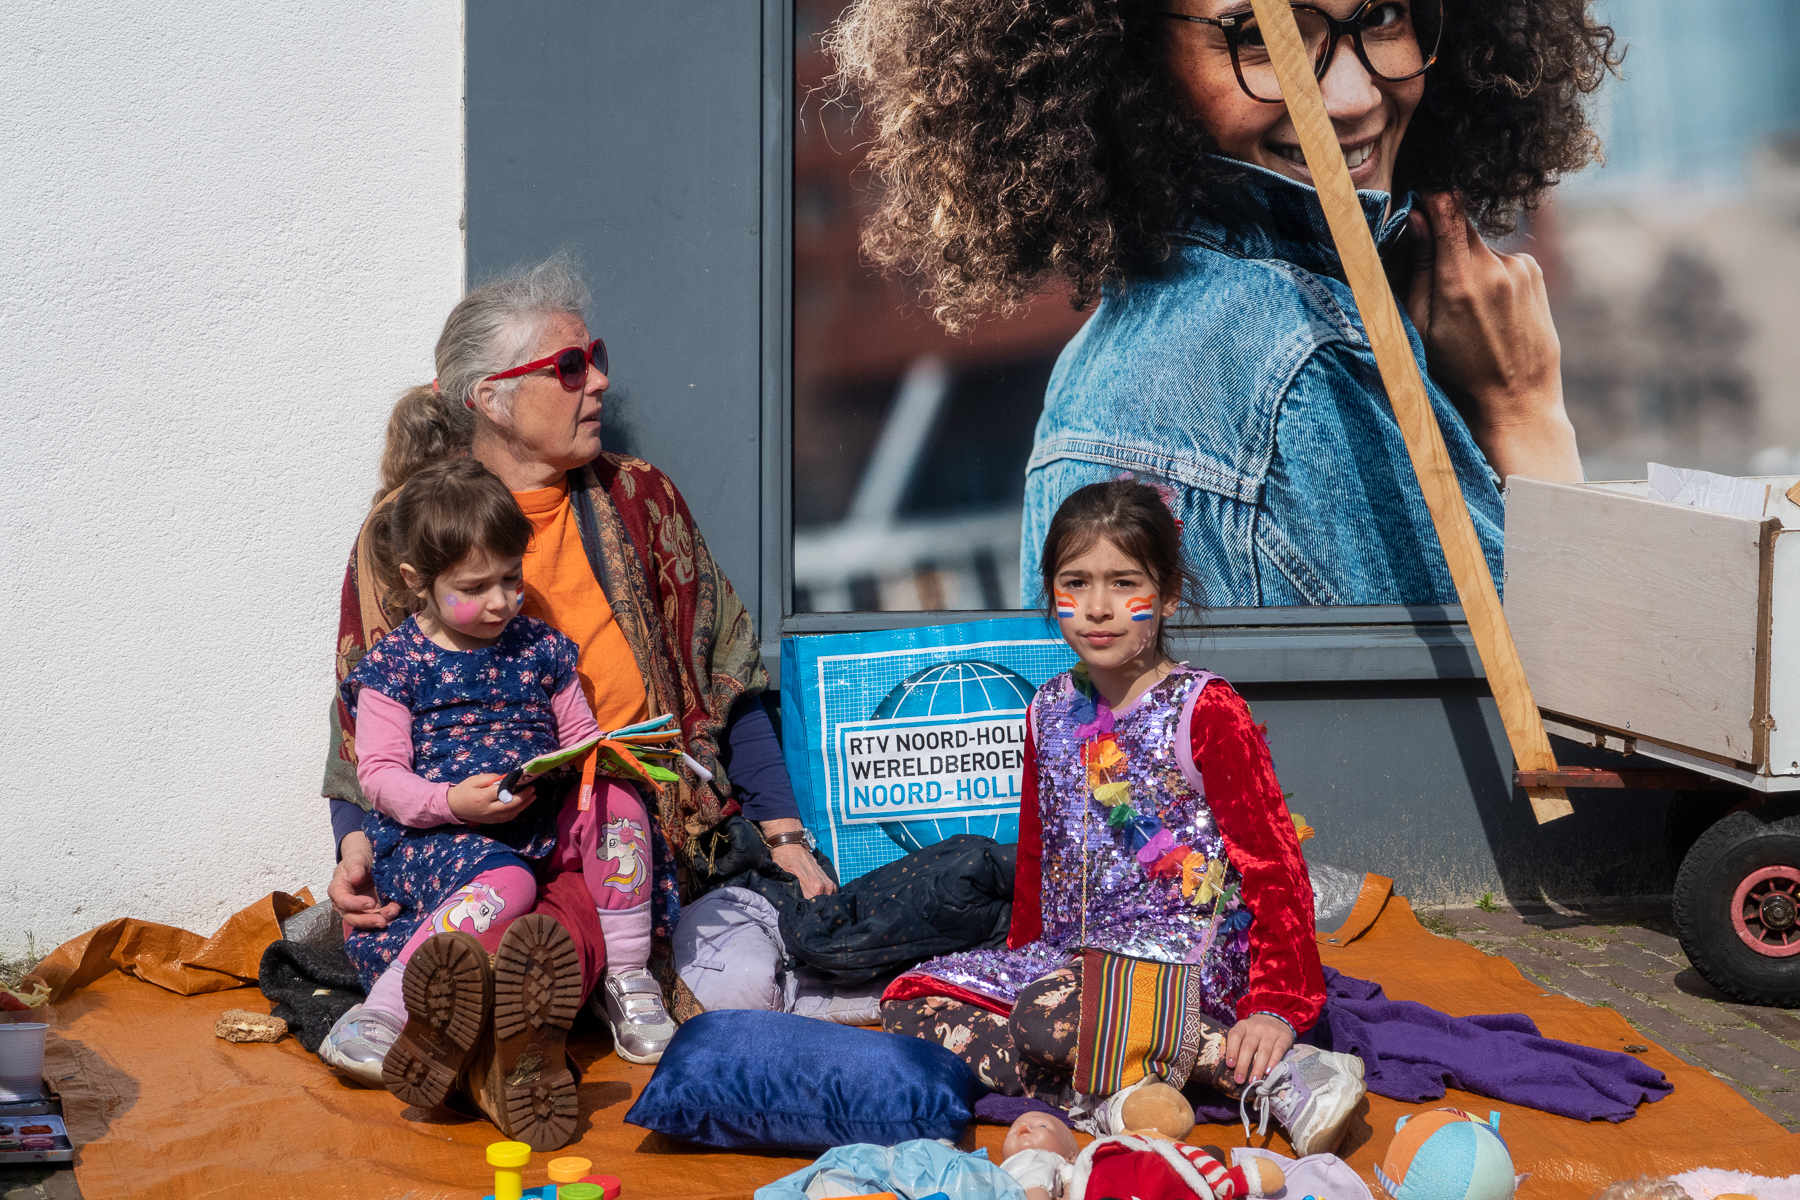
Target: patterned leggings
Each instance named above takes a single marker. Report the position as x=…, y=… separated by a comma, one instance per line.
x=1032, y=1053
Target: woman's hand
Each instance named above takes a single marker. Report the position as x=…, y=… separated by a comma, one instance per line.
x=352, y=888
x=1255, y=1044
x=797, y=860
x=1485, y=319
x=476, y=800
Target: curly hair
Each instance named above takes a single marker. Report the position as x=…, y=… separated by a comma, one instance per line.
x=1018, y=142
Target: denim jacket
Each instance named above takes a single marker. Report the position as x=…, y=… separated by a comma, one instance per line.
x=1241, y=381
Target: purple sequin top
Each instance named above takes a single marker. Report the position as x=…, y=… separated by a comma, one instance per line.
x=1098, y=889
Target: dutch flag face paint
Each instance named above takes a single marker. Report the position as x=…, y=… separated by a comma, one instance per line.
x=1065, y=606
x=1141, y=608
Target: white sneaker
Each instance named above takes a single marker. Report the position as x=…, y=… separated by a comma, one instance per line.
x=359, y=1041
x=631, y=1002
x=1312, y=1093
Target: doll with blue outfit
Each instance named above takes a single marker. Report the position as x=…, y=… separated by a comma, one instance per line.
x=1039, y=1161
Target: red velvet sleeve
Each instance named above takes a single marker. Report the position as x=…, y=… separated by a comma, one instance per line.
x=1028, y=877
x=1233, y=756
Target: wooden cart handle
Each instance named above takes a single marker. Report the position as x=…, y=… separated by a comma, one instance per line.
x=1412, y=407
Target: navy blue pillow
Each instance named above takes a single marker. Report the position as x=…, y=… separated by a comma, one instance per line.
x=740, y=1079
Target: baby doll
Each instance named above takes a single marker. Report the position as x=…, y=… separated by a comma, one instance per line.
x=1039, y=1152
x=1698, y=1184
x=1644, y=1187
x=1040, y=1157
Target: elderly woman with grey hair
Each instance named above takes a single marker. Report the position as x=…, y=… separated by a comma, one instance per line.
x=617, y=565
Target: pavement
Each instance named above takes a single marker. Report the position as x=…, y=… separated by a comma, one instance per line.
x=1623, y=956
x=38, y=1183
x=1627, y=958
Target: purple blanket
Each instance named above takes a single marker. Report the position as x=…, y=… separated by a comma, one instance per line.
x=1413, y=1053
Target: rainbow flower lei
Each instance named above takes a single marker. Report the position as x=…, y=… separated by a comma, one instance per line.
x=1200, y=878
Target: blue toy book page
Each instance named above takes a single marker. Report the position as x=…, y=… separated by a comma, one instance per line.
x=900, y=738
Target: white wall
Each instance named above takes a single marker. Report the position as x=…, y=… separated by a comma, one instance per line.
x=229, y=233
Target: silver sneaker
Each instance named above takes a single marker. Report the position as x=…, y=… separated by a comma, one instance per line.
x=358, y=1043
x=1312, y=1093
x=631, y=1002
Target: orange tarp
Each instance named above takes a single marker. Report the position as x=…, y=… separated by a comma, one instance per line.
x=184, y=963
x=165, y=1109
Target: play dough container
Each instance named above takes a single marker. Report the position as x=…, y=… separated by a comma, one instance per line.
x=568, y=1170
x=22, y=1061
x=508, y=1159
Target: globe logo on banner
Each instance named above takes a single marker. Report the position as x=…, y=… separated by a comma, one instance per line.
x=898, y=738
x=942, y=754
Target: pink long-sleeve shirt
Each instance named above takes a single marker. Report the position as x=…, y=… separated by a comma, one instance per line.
x=384, y=755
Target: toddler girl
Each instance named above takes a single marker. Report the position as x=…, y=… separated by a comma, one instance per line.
x=1150, y=824
x=463, y=691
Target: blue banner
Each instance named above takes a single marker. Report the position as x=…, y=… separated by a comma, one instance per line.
x=900, y=738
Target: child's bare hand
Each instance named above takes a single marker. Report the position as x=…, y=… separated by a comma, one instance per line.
x=476, y=800
x=1255, y=1044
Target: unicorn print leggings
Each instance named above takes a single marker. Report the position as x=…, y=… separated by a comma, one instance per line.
x=609, y=844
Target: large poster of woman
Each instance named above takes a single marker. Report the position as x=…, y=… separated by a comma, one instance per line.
x=1139, y=155
x=963, y=171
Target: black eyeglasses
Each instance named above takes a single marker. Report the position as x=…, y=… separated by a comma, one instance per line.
x=1395, y=39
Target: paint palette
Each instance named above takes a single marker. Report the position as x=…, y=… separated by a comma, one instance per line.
x=34, y=1139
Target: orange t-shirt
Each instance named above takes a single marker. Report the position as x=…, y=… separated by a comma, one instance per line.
x=560, y=589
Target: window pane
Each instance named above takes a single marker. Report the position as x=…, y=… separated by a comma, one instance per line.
x=909, y=444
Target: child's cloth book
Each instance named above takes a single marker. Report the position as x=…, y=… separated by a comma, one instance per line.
x=634, y=752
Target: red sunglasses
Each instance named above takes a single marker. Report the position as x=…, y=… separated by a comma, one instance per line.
x=571, y=365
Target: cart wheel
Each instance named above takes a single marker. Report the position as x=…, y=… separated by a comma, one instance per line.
x=1737, y=905
x=1692, y=813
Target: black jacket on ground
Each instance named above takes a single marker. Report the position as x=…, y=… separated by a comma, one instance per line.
x=952, y=896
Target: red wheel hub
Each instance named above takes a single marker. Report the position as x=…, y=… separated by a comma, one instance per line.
x=1765, y=911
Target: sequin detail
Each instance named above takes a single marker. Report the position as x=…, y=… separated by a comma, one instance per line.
x=1162, y=909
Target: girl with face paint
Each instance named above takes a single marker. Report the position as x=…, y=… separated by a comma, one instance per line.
x=1151, y=824
x=465, y=689
x=470, y=605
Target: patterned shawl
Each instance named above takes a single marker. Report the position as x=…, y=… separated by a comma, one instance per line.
x=689, y=632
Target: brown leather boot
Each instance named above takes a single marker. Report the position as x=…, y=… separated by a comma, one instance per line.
x=449, y=992
x=520, y=1077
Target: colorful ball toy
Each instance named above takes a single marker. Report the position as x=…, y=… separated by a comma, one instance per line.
x=1447, y=1154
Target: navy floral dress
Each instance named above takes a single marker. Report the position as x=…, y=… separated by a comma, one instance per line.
x=473, y=711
